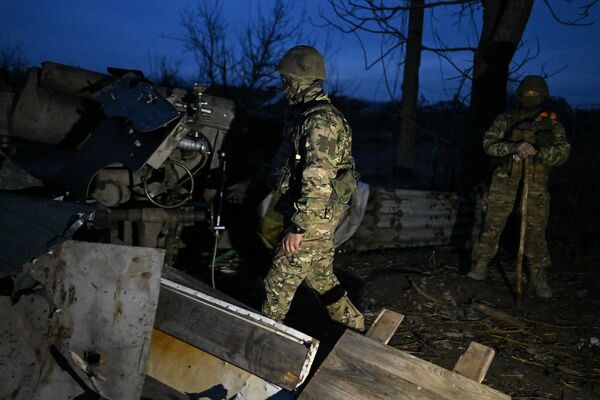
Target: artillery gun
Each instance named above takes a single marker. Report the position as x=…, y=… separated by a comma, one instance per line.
x=140, y=150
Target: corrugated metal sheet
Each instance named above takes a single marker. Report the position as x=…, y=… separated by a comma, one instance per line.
x=397, y=218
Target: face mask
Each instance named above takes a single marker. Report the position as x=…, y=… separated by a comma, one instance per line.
x=292, y=89
x=289, y=92
x=531, y=101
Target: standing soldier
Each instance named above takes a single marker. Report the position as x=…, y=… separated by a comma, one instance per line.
x=314, y=184
x=530, y=132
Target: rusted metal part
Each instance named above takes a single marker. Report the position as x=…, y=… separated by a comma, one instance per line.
x=96, y=320
x=397, y=218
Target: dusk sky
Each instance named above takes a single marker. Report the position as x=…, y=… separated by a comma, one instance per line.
x=95, y=34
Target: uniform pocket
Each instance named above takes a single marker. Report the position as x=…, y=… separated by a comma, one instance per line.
x=343, y=187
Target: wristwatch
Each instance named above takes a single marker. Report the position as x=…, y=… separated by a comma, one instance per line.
x=296, y=229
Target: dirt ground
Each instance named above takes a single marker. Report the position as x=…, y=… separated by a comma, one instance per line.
x=550, y=350
x=554, y=353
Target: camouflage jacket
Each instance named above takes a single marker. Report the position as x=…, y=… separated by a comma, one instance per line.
x=321, y=149
x=540, y=129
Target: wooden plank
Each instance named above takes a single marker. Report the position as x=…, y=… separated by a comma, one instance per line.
x=187, y=369
x=250, y=341
x=340, y=377
x=177, y=276
x=388, y=370
x=385, y=326
x=475, y=361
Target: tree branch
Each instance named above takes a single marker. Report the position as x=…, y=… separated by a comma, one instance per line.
x=583, y=14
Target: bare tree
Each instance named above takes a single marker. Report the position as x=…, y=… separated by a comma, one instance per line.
x=206, y=38
x=166, y=73
x=264, y=41
x=388, y=19
x=410, y=88
x=501, y=30
x=13, y=65
x=245, y=57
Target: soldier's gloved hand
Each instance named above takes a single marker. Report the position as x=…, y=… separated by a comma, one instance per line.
x=236, y=193
x=524, y=150
x=291, y=242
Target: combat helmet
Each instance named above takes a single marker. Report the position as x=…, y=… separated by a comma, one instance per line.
x=304, y=62
x=535, y=83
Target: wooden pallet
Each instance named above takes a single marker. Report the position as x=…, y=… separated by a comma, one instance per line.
x=364, y=367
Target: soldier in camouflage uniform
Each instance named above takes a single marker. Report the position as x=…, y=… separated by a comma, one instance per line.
x=317, y=179
x=531, y=132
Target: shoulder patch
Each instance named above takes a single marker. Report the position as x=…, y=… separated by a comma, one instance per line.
x=327, y=145
x=323, y=140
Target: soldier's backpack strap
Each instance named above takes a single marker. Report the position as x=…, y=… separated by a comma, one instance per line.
x=319, y=106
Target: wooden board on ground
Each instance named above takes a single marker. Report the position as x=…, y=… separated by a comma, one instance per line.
x=186, y=369
x=276, y=353
x=361, y=368
x=385, y=326
x=475, y=361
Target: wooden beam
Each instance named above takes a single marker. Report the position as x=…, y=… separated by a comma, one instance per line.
x=187, y=369
x=276, y=353
x=177, y=276
x=475, y=361
x=359, y=367
x=385, y=326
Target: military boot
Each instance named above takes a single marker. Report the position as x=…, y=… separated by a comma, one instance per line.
x=344, y=312
x=540, y=283
x=478, y=270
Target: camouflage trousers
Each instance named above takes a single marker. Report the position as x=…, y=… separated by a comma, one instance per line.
x=313, y=262
x=501, y=202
